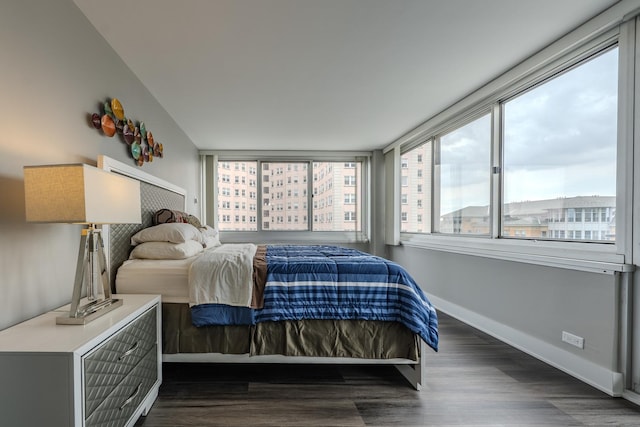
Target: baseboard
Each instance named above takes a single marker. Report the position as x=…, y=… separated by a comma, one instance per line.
x=631, y=396
x=595, y=375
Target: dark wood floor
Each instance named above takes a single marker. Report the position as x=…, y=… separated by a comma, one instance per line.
x=474, y=380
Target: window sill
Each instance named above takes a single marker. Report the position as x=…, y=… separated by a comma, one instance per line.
x=293, y=237
x=590, y=257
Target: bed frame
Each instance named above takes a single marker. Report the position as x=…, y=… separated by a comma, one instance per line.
x=155, y=194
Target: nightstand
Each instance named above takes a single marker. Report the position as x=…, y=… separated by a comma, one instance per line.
x=104, y=373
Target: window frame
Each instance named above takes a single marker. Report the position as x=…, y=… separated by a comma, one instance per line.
x=566, y=53
x=266, y=235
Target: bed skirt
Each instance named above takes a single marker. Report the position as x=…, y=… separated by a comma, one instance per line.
x=363, y=339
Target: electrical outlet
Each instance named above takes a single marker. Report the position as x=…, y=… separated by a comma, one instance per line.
x=573, y=339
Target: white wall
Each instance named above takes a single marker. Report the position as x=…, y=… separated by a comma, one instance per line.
x=56, y=69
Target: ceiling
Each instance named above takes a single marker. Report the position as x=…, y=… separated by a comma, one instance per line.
x=322, y=74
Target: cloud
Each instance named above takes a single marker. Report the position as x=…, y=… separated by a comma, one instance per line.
x=571, y=119
x=560, y=140
x=466, y=152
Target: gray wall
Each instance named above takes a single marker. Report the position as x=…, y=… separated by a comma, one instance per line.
x=526, y=305
x=377, y=204
x=56, y=69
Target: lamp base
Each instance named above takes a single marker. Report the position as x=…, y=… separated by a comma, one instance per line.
x=90, y=312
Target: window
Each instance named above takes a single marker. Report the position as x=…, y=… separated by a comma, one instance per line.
x=560, y=148
x=324, y=190
x=349, y=199
x=287, y=193
x=412, y=206
x=551, y=166
x=284, y=188
x=235, y=195
x=464, y=178
x=588, y=214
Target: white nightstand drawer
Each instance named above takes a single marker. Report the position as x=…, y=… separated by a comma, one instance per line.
x=107, y=365
x=117, y=408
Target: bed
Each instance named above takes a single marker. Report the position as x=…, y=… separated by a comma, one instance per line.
x=265, y=328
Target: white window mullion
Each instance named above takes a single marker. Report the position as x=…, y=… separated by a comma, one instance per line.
x=435, y=189
x=259, y=219
x=310, y=196
x=495, y=211
x=628, y=105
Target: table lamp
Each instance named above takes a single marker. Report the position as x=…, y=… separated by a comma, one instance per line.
x=83, y=194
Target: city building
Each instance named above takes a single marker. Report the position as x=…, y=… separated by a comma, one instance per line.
x=334, y=202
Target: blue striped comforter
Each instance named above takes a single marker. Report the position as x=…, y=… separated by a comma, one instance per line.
x=329, y=282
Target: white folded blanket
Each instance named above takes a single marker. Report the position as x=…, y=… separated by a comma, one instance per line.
x=223, y=275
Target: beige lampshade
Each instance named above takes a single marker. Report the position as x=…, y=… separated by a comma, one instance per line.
x=79, y=193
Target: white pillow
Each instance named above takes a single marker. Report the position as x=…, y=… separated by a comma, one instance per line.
x=210, y=241
x=166, y=250
x=210, y=236
x=209, y=231
x=174, y=232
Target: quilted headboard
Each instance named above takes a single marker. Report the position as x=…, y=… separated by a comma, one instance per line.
x=155, y=194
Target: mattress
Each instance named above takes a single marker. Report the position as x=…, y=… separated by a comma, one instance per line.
x=169, y=278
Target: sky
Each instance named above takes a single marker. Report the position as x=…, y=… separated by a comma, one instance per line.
x=559, y=141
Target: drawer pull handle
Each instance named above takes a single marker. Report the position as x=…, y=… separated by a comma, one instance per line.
x=128, y=352
x=130, y=398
